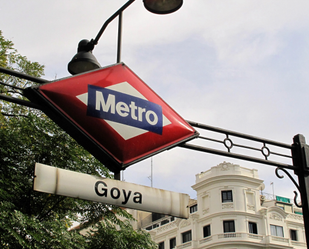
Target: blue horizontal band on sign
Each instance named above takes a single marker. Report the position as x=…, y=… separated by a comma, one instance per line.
x=124, y=108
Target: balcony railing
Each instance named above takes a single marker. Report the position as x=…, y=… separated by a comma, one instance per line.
x=184, y=245
x=229, y=235
x=205, y=240
x=279, y=239
x=159, y=223
x=255, y=236
x=298, y=243
x=244, y=236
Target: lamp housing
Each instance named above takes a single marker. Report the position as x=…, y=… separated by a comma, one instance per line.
x=84, y=60
x=162, y=6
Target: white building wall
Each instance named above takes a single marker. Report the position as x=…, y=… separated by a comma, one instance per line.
x=246, y=207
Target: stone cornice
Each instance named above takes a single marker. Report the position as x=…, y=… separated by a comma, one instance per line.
x=228, y=179
x=234, y=213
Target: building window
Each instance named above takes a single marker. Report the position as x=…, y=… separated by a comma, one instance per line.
x=156, y=216
x=163, y=222
x=206, y=231
x=276, y=230
x=193, y=209
x=161, y=245
x=253, y=228
x=286, y=207
x=229, y=226
x=293, y=234
x=172, y=243
x=186, y=236
x=227, y=196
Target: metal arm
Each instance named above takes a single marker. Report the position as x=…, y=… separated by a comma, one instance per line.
x=118, y=12
x=22, y=75
x=93, y=42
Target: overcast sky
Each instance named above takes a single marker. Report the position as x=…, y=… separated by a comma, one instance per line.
x=240, y=65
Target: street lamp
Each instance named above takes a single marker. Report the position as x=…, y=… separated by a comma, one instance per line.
x=162, y=6
x=85, y=61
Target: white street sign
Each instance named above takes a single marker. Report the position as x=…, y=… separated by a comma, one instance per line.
x=77, y=185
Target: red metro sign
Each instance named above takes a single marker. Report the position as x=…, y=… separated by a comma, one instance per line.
x=113, y=114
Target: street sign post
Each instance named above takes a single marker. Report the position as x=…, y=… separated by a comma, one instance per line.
x=77, y=185
x=113, y=114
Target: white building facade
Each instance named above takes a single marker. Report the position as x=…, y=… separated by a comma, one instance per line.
x=229, y=212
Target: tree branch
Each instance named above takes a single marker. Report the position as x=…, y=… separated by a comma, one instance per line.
x=48, y=212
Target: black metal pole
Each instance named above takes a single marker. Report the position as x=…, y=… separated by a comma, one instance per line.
x=20, y=101
x=22, y=75
x=119, y=38
x=117, y=175
x=300, y=153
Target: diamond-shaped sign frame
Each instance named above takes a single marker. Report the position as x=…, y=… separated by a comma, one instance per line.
x=118, y=140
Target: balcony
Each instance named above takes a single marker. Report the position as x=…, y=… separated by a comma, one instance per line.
x=185, y=245
x=229, y=235
x=238, y=236
x=257, y=238
x=160, y=223
x=277, y=239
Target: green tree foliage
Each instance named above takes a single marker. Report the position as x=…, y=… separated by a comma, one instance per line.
x=107, y=235
x=30, y=219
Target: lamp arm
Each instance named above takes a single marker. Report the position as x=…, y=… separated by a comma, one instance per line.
x=94, y=42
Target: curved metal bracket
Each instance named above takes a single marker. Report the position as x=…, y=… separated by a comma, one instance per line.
x=292, y=179
x=295, y=197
